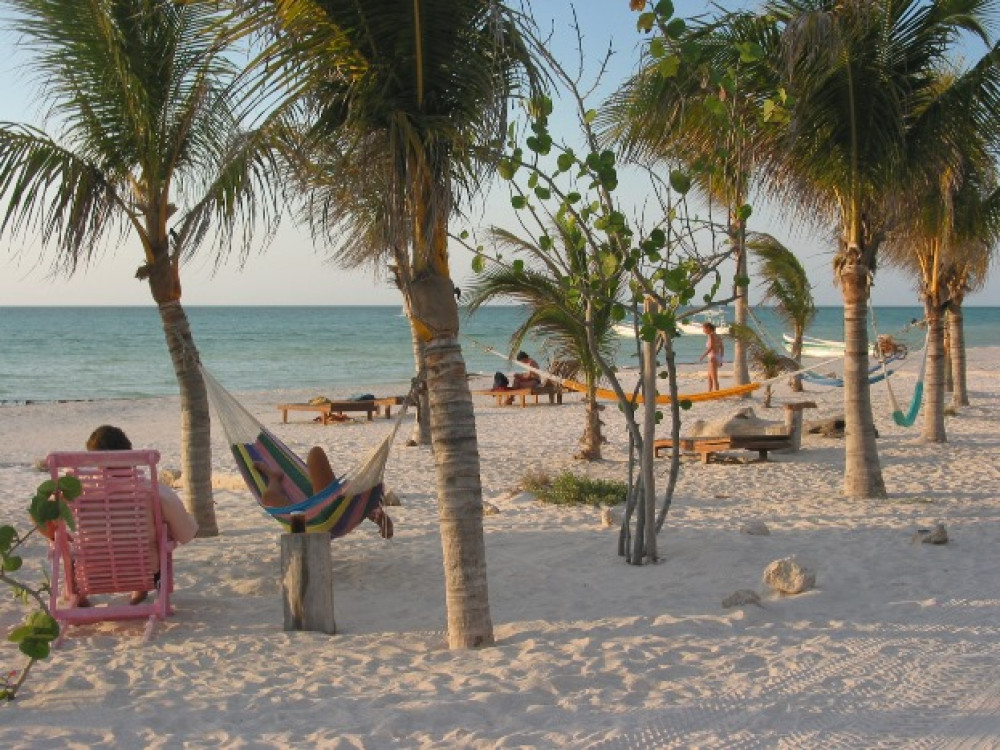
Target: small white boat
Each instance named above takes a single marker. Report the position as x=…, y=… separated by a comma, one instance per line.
x=813, y=347
x=691, y=325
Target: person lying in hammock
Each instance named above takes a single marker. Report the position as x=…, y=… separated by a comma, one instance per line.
x=321, y=476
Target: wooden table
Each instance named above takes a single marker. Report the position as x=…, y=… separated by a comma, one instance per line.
x=327, y=409
x=707, y=447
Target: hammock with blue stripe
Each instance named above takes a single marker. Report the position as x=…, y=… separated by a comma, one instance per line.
x=338, y=508
x=874, y=376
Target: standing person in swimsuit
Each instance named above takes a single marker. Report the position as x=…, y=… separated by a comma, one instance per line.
x=714, y=350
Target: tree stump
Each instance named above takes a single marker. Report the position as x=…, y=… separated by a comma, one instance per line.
x=307, y=582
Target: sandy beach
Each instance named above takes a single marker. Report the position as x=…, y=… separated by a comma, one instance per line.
x=898, y=645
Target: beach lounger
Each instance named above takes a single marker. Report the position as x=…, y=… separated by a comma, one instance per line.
x=707, y=447
x=327, y=409
x=510, y=396
x=119, y=544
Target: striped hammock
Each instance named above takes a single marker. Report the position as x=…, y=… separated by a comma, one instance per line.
x=335, y=510
x=874, y=376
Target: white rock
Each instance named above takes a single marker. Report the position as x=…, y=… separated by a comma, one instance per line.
x=789, y=576
x=937, y=535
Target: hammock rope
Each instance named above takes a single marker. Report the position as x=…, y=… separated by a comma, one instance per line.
x=336, y=509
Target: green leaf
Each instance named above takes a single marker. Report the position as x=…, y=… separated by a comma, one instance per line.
x=518, y=201
x=645, y=22
x=715, y=106
x=750, y=51
x=7, y=536
x=44, y=625
x=565, y=161
x=657, y=48
x=589, y=116
x=685, y=403
x=545, y=242
x=669, y=66
x=506, y=169
x=12, y=563
x=743, y=212
x=680, y=181
x=478, y=263
x=676, y=28
x=47, y=487
x=665, y=9
x=34, y=648
x=518, y=266
x=543, y=192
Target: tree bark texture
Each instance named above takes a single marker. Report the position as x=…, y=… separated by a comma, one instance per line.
x=592, y=435
x=862, y=471
x=196, y=432
x=646, y=530
x=933, y=425
x=741, y=373
x=956, y=330
x=460, y=495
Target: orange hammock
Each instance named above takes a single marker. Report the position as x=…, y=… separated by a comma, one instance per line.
x=607, y=393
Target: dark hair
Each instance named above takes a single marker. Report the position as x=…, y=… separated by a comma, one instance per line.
x=521, y=356
x=709, y=326
x=108, y=438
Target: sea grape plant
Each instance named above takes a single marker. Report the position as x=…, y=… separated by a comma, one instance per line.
x=39, y=629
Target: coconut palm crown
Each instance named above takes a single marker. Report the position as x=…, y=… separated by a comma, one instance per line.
x=146, y=144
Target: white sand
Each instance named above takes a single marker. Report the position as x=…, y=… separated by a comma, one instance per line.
x=899, y=644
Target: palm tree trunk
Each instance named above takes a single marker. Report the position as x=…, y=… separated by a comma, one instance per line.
x=862, y=471
x=460, y=495
x=741, y=373
x=933, y=427
x=196, y=434
x=646, y=528
x=592, y=439
x=949, y=375
x=956, y=328
x=796, y=381
x=421, y=434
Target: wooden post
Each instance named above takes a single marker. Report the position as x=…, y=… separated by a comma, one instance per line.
x=793, y=423
x=307, y=581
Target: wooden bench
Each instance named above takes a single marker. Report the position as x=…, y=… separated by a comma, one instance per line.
x=326, y=410
x=510, y=395
x=707, y=447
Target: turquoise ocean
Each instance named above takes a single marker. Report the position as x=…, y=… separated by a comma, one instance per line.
x=93, y=353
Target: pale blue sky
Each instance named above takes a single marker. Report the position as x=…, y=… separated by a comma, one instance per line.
x=291, y=272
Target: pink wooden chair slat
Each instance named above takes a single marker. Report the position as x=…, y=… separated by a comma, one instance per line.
x=113, y=549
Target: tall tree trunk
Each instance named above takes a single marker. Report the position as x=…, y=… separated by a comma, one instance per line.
x=796, y=380
x=421, y=434
x=196, y=434
x=590, y=443
x=949, y=375
x=741, y=373
x=956, y=328
x=933, y=427
x=862, y=471
x=646, y=528
x=460, y=495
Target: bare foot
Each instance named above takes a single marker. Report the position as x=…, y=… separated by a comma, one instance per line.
x=138, y=597
x=380, y=517
x=273, y=496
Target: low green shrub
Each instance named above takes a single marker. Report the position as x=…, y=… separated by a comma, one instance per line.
x=570, y=489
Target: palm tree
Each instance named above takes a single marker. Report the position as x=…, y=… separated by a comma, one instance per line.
x=703, y=112
x=557, y=311
x=149, y=146
x=426, y=87
x=786, y=285
x=863, y=79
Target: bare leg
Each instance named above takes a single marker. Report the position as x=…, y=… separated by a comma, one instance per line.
x=273, y=495
x=713, y=375
x=320, y=472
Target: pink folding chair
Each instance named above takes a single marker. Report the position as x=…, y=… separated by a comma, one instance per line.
x=112, y=550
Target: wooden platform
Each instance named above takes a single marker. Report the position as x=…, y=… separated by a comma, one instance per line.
x=707, y=447
x=326, y=410
x=510, y=396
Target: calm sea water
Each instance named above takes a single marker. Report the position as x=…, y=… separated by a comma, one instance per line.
x=70, y=353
